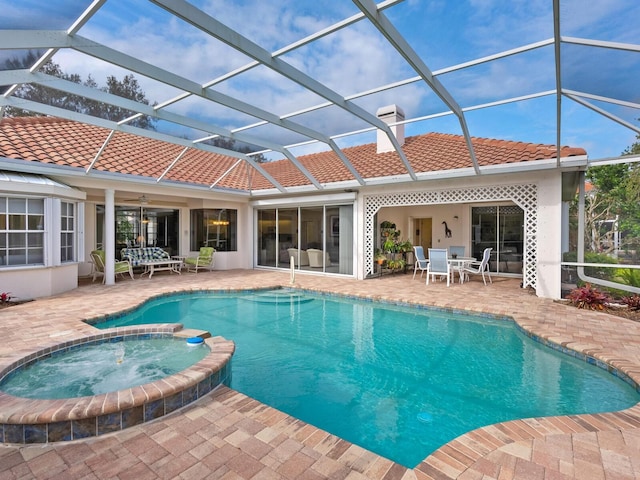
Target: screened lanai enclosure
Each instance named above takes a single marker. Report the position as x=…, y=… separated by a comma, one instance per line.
x=286, y=78
x=272, y=101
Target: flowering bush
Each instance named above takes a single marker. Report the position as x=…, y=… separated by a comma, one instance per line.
x=5, y=297
x=588, y=297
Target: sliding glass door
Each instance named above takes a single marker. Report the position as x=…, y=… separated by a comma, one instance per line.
x=502, y=229
x=319, y=238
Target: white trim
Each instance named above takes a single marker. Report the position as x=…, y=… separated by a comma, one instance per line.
x=314, y=200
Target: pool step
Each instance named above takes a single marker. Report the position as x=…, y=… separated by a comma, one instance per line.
x=277, y=296
x=192, y=332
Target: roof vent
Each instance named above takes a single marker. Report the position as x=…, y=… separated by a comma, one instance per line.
x=390, y=114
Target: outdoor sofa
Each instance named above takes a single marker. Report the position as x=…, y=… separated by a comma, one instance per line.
x=139, y=256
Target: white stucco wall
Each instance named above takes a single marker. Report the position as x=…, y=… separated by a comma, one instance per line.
x=549, y=240
x=223, y=260
x=405, y=219
x=28, y=283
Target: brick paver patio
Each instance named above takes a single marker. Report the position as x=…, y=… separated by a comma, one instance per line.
x=230, y=436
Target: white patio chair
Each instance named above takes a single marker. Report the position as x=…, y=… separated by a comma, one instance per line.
x=316, y=257
x=479, y=268
x=301, y=261
x=421, y=261
x=438, y=264
x=456, y=251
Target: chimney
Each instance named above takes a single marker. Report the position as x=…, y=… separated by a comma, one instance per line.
x=390, y=114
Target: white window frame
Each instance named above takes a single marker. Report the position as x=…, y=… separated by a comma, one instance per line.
x=6, y=230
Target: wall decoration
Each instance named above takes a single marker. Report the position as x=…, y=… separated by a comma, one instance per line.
x=334, y=222
x=447, y=230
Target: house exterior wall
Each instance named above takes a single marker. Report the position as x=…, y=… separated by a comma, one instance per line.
x=460, y=226
x=84, y=266
x=37, y=282
x=223, y=260
x=26, y=283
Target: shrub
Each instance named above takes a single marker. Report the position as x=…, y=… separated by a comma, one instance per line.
x=5, y=297
x=628, y=276
x=632, y=302
x=588, y=297
x=603, y=273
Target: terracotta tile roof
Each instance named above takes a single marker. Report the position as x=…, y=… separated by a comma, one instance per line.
x=426, y=153
x=64, y=142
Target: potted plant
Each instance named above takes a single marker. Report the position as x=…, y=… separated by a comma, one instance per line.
x=389, y=245
x=379, y=257
x=387, y=228
x=396, y=264
x=405, y=247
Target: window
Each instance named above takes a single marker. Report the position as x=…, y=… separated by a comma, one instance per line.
x=215, y=228
x=21, y=231
x=67, y=232
x=141, y=226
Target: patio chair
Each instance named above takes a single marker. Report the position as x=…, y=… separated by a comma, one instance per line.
x=456, y=251
x=316, y=258
x=438, y=264
x=479, y=268
x=98, y=259
x=204, y=260
x=421, y=262
x=303, y=261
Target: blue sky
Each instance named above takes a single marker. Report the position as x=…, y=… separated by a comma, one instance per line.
x=357, y=58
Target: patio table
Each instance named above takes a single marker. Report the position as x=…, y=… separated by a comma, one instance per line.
x=153, y=266
x=458, y=264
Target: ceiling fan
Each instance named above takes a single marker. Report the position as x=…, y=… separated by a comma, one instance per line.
x=142, y=200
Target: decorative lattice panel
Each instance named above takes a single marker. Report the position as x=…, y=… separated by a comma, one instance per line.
x=525, y=196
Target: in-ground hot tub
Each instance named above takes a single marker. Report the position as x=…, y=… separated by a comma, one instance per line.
x=29, y=420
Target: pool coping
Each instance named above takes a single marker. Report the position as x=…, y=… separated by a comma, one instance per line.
x=28, y=421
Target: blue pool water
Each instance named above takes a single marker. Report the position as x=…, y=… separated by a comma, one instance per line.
x=397, y=381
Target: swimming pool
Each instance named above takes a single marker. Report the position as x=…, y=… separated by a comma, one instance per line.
x=398, y=381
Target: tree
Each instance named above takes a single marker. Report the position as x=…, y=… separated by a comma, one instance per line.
x=230, y=144
x=128, y=87
x=39, y=93
x=616, y=196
